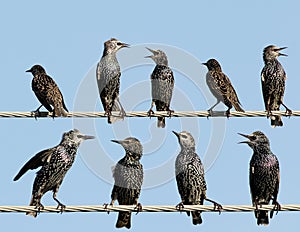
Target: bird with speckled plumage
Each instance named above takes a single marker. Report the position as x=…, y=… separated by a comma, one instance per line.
x=108, y=75
x=221, y=87
x=55, y=163
x=162, y=85
x=190, y=179
x=264, y=175
x=273, y=79
x=128, y=175
x=47, y=92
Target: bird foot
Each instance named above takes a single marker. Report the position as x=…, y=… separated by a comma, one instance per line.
x=217, y=206
x=36, y=114
x=150, y=113
x=288, y=112
x=107, y=113
x=180, y=207
x=106, y=205
x=277, y=208
x=269, y=113
x=138, y=208
x=210, y=113
x=170, y=112
x=228, y=113
x=62, y=207
x=39, y=208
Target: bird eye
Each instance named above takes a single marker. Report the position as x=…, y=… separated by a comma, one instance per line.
x=253, y=137
x=119, y=44
x=184, y=136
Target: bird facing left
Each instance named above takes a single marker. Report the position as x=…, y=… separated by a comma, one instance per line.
x=55, y=163
x=47, y=92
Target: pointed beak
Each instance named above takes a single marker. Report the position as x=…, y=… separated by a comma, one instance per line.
x=177, y=134
x=116, y=141
x=29, y=70
x=152, y=51
x=204, y=64
x=246, y=136
x=281, y=54
x=85, y=137
x=125, y=45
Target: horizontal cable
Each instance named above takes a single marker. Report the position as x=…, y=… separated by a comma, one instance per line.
x=150, y=208
x=145, y=114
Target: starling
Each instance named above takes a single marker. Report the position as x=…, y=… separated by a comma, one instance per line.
x=221, y=87
x=128, y=175
x=264, y=175
x=108, y=78
x=162, y=82
x=54, y=162
x=47, y=92
x=189, y=173
x=273, y=83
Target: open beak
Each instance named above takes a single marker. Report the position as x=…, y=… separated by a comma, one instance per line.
x=248, y=137
x=152, y=51
x=281, y=54
x=125, y=45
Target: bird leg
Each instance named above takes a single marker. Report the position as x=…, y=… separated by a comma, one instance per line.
x=60, y=205
x=138, y=208
x=180, y=206
x=150, y=112
x=210, y=110
x=170, y=112
x=287, y=110
x=276, y=207
x=111, y=204
x=122, y=111
x=39, y=207
x=37, y=112
x=228, y=113
x=217, y=206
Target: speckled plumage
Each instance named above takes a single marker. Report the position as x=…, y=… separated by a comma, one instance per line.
x=189, y=173
x=54, y=162
x=128, y=175
x=273, y=83
x=162, y=85
x=221, y=87
x=47, y=92
x=264, y=175
x=108, y=75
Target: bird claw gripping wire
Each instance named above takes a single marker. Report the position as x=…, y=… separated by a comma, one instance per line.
x=170, y=112
x=150, y=113
x=180, y=206
x=277, y=208
x=61, y=208
x=138, y=208
x=106, y=205
x=39, y=208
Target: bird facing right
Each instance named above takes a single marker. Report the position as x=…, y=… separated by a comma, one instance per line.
x=128, y=175
x=108, y=75
x=189, y=173
x=55, y=163
x=273, y=83
x=264, y=175
x=162, y=85
x=221, y=87
x=47, y=92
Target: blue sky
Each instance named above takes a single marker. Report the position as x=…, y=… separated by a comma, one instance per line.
x=67, y=39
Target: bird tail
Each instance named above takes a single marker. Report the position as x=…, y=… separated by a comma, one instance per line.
x=276, y=121
x=238, y=107
x=33, y=202
x=124, y=220
x=118, y=108
x=196, y=217
x=161, y=122
x=262, y=217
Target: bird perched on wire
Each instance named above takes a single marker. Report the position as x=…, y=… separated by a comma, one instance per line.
x=264, y=175
x=221, y=87
x=273, y=83
x=128, y=175
x=190, y=179
x=47, y=92
x=162, y=85
x=55, y=163
x=108, y=75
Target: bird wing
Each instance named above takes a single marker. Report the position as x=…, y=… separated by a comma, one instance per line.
x=162, y=83
x=36, y=161
x=264, y=88
x=42, y=98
